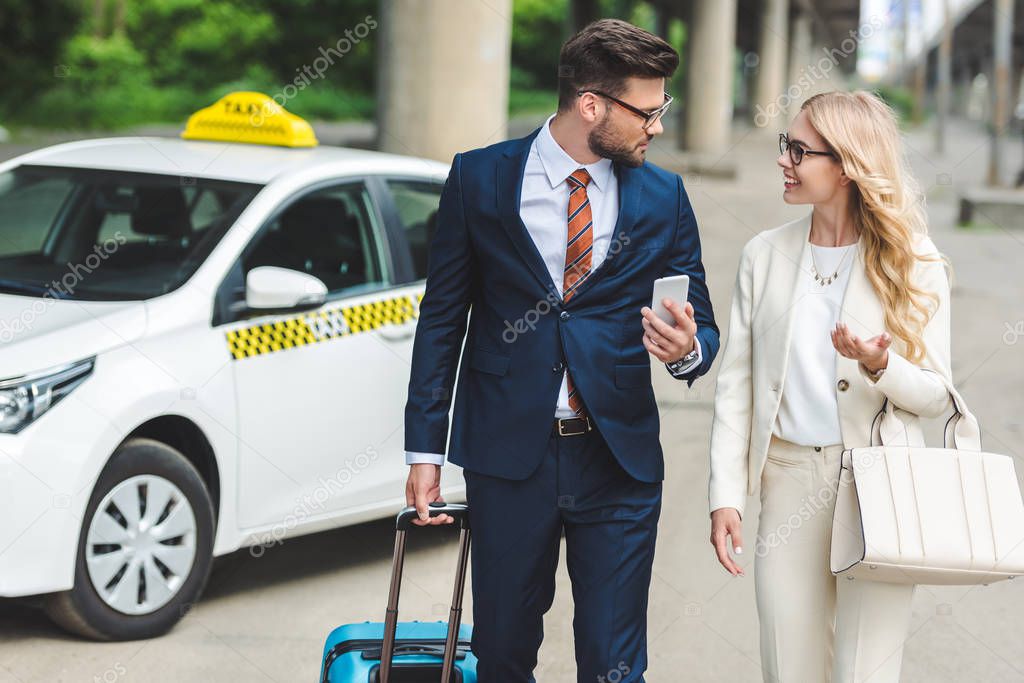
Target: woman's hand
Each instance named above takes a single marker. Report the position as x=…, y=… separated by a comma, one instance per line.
x=726, y=522
x=873, y=354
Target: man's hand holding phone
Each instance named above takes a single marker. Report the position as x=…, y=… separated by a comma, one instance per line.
x=669, y=327
x=669, y=343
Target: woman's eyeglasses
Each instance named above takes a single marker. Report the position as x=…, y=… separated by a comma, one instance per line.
x=797, y=150
x=649, y=117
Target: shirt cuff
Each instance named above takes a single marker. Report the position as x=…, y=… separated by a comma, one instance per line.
x=417, y=458
x=691, y=365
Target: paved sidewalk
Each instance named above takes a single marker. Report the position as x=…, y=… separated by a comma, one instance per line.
x=265, y=618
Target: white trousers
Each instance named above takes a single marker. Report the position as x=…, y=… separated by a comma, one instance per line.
x=816, y=627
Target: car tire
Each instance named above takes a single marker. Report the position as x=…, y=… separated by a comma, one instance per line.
x=163, y=572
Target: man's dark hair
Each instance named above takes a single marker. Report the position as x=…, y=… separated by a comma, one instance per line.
x=607, y=52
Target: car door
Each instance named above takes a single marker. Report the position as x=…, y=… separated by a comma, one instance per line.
x=409, y=204
x=321, y=392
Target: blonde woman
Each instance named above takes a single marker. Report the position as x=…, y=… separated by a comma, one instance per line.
x=831, y=314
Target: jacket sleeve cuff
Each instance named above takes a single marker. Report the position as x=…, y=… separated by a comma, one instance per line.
x=719, y=501
x=417, y=458
x=904, y=384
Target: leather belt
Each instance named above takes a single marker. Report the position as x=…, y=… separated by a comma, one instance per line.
x=572, y=426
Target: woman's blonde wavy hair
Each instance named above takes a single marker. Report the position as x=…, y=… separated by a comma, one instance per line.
x=887, y=205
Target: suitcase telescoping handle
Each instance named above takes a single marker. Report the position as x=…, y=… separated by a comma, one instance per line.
x=402, y=524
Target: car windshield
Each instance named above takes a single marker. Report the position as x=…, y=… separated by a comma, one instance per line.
x=89, y=234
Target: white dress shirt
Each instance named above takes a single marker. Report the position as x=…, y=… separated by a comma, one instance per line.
x=544, y=206
x=809, y=409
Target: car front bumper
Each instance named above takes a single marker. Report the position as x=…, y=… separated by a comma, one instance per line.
x=47, y=472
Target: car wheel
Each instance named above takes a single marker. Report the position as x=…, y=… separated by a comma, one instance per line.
x=145, y=547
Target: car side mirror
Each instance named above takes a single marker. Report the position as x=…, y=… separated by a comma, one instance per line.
x=270, y=287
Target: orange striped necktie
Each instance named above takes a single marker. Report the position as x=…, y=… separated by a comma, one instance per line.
x=579, y=249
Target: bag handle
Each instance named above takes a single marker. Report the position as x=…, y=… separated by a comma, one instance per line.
x=894, y=426
x=402, y=525
x=962, y=431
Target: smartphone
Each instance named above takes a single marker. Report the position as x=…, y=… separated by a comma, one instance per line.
x=676, y=288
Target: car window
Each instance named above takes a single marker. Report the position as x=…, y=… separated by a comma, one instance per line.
x=330, y=234
x=108, y=235
x=416, y=202
x=30, y=209
x=203, y=206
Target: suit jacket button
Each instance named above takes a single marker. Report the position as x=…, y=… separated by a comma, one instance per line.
x=558, y=367
x=564, y=315
x=843, y=385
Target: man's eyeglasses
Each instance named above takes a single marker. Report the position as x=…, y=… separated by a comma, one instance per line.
x=797, y=150
x=649, y=117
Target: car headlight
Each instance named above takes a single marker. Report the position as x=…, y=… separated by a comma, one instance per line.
x=24, y=399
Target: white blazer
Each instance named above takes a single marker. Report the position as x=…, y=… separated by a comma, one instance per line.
x=750, y=380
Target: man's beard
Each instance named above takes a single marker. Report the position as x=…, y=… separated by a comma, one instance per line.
x=604, y=143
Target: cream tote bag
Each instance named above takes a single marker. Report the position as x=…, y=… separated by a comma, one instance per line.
x=906, y=513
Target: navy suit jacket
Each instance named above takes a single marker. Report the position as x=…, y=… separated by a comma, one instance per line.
x=484, y=263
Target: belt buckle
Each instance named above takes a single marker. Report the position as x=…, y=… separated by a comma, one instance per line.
x=564, y=420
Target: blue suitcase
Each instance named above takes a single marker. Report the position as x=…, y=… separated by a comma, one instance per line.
x=408, y=652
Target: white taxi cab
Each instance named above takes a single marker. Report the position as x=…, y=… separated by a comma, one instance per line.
x=204, y=345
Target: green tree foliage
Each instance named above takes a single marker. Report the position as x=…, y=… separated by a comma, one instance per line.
x=102, y=81
x=539, y=27
x=113, y=63
x=32, y=35
x=305, y=26
x=198, y=43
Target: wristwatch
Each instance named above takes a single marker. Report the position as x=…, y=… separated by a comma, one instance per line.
x=682, y=362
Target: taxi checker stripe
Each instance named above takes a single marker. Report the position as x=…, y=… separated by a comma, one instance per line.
x=319, y=326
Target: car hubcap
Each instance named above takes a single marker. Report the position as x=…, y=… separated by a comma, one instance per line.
x=141, y=544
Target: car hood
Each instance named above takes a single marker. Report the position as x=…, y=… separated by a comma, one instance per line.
x=37, y=333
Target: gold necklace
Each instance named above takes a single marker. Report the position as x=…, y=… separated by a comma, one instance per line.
x=825, y=281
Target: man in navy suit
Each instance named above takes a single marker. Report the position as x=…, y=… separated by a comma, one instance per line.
x=551, y=245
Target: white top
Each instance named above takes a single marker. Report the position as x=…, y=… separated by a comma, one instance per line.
x=809, y=409
x=544, y=208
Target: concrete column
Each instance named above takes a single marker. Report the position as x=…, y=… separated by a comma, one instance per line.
x=800, y=46
x=1002, y=41
x=1015, y=89
x=443, y=86
x=944, y=77
x=987, y=94
x=686, y=77
x=904, y=41
x=710, y=78
x=770, y=83
x=962, y=75
x=920, y=76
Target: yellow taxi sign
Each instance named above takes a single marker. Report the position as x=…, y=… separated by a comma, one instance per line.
x=249, y=117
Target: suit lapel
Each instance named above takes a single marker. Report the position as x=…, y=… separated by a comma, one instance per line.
x=511, y=168
x=509, y=180
x=790, y=254
x=860, y=309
